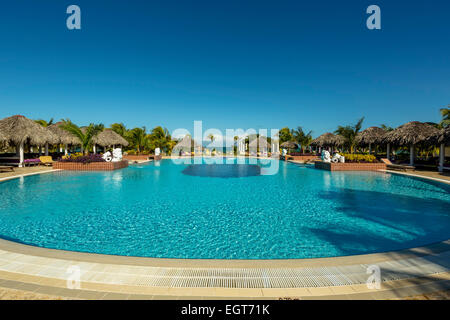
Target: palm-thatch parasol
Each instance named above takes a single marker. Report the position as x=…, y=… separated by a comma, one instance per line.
x=372, y=135
x=108, y=137
x=19, y=130
x=338, y=140
x=410, y=134
x=325, y=140
x=186, y=143
x=289, y=145
x=260, y=142
x=441, y=138
x=63, y=136
x=2, y=137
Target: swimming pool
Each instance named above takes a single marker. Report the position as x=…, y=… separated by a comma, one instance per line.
x=165, y=210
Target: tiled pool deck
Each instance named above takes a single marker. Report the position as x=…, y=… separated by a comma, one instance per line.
x=46, y=271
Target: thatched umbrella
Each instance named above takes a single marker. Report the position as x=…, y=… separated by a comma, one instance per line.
x=338, y=141
x=64, y=137
x=441, y=138
x=410, y=134
x=2, y=137
x=186, y=143
x=372, y=135
x=108, y=137
x=289, y=145
x=260, y=142
x=325, y=140
x=19, y=130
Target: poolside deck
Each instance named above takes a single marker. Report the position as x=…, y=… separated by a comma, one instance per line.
x=24, y=171
x=403, y=273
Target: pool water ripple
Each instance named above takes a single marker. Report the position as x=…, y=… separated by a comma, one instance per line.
x=155, y=210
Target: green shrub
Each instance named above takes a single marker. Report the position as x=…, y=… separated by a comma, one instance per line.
x=366, y=158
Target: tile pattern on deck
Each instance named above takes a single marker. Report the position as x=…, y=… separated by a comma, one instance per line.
x=100, y=280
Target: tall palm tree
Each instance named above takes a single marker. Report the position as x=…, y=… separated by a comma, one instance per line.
x=445, y=112
x=349, y=133
x=120, y=129
x=85, y=135
x=284, y=135
x=139, y=138
x=44, y=123
x=211, y=137
x=160, y=138
x=302, y=138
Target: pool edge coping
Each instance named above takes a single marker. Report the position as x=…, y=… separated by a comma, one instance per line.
x=29, y=174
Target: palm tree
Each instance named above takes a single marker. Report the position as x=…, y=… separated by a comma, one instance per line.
x=160, y=138
x=284, y=135
x=44, y=123
x=120, y=129
x=211, y=137
x=349, y=133
x=302, y=138
x=85, y=135
x=139, y=138
x=445, y=112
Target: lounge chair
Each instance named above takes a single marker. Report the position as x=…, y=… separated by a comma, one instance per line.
x=393, y=166
x=9, y=161
x=31, y=162
x=46, y=160
x=10, y=168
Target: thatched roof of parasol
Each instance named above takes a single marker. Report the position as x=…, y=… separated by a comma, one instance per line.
x=260, y=142
x=289, y=145
x=18, y=129
x=187, y=142
x=108, y=137
x=63, y=136
x=442, y=136
x=411, y=133
x=2, y=137
x=372, y=135
x=327, y=140
x=338, y=140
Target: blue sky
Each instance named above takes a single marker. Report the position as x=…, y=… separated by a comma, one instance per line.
x=231, y=64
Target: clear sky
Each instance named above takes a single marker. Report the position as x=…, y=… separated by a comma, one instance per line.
x=233, y=64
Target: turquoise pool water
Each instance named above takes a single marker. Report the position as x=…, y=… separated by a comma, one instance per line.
x=175, y=211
